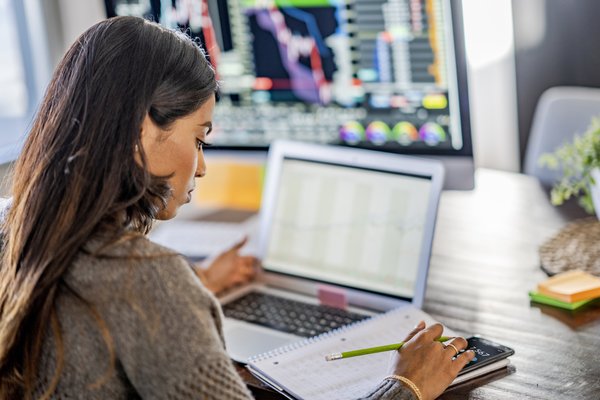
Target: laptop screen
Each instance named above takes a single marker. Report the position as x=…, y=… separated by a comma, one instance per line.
x=351, y=226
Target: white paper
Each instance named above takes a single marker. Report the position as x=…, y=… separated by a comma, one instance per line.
x=302, y=371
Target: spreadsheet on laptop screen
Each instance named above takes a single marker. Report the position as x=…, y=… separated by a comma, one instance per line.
x=350, y=226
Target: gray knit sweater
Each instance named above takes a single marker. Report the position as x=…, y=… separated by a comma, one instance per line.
x=164, y=328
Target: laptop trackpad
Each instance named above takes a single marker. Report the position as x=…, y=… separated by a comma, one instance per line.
x=244, y=340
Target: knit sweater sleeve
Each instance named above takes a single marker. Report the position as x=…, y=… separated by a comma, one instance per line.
x=390, y=389
x=167, y=334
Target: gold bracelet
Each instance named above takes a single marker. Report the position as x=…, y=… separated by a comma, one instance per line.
x=408, y=383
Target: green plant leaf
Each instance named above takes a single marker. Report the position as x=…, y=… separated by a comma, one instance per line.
x=575, y=159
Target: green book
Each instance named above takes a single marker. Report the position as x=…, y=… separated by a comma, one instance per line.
x=543, y=299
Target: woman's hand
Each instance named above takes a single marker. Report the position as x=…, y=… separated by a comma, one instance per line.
x=428, y=363
x=228, y=269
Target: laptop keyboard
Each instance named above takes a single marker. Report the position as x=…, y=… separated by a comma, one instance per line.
x=287, y=315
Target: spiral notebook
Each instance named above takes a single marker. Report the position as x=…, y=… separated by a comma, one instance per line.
x=300, y=371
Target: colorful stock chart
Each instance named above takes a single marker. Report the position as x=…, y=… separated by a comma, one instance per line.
x=369, y=73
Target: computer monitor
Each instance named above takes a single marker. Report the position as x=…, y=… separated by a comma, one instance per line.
x=386, y=75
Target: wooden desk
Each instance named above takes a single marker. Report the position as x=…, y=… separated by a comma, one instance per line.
x=483, y=264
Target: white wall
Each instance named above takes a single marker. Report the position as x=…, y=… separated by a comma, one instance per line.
x=76, y=16
x=492, y=91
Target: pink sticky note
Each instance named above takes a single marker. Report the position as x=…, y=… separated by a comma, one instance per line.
x=332, y=296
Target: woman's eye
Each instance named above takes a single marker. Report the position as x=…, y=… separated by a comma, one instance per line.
x=201, y=143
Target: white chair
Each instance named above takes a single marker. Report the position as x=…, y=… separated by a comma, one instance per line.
x=561, y=112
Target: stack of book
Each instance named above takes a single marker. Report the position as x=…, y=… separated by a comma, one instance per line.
x=570, y=290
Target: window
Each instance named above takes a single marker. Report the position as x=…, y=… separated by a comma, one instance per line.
x=13, y=97
x=24, y=70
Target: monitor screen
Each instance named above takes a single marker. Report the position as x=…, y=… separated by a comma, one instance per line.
x=349, y=226
x=388, y=75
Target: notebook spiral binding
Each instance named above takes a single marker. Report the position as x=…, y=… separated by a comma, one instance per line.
x=297, y=345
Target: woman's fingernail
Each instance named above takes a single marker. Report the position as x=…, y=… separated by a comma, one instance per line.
x=420, y=325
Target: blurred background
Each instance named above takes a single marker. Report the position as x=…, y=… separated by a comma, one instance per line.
x=514, y=50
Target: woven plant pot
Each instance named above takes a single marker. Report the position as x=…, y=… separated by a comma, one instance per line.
x=574, y=247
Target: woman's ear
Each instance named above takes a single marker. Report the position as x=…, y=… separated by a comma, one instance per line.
x=147, y=128
x=149, y=134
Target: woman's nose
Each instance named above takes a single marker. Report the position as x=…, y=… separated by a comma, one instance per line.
x=201, y=167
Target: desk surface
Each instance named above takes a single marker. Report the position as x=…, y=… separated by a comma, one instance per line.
x=484, y=261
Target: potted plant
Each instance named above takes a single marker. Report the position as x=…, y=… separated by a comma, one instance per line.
x=580, y=164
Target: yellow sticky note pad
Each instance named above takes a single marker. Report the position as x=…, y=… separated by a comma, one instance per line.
x=231, y=183
x=571, y=286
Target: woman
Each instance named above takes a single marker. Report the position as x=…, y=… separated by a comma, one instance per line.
x=89, y=307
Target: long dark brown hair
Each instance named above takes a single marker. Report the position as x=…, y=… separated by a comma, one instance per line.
x=77, y=173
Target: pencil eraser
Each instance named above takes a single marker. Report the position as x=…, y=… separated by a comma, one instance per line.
x=332, y=296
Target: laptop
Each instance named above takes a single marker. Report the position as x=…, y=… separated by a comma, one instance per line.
x=344, y=234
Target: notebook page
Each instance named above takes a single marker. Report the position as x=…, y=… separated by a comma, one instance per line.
x=303, y=372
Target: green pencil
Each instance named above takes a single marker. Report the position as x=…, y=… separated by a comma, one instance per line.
x=372, y=350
